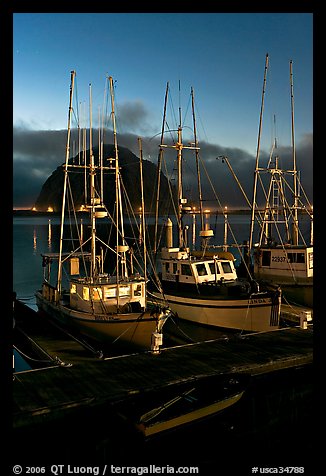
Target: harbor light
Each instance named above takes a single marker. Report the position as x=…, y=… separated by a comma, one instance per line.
x=50, y=209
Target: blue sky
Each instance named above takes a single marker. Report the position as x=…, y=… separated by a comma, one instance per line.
x=220, y=55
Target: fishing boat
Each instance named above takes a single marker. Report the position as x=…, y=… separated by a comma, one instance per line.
x=182, y=404
x=109, y=307
x=200, y=284
x=282, y=254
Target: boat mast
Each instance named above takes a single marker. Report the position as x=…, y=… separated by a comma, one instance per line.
x=119, y=217
x=257, y=159
x=295, y=181
x=92, y=192
x=197, y=161
x=159, y=167
x=72, y=83
x=179, y=147
x=142, y=204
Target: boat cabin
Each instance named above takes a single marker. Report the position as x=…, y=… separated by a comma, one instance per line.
x=284, y=262
x=98, y=294
x=105, y=295
x=179, y=266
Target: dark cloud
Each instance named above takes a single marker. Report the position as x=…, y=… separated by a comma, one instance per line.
x=132, y=115
x=38, y=153
x=243, y=165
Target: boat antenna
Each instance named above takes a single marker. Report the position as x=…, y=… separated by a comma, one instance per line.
x=72, y=83
x=257, y=158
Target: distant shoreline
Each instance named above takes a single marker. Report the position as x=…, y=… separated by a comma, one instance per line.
x=28, y=212
x=235, y=211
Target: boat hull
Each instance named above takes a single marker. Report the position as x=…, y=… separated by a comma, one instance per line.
x=256, y=314
x=135, y=330
x=181, y=404
x=189, y=417
x=299, y=293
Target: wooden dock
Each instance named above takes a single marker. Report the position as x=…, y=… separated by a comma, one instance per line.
x=48, y=394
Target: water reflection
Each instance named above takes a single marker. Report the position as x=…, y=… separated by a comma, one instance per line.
x=34, y=241
x=49, y=235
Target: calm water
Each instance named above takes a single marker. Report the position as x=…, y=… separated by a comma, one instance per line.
x=272, y=426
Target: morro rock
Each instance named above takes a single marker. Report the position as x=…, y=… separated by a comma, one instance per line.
x=52, y=189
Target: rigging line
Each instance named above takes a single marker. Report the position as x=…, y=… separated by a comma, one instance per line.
x=79, y=340
x=286, y=206
x=76, y=103
x=170, y=188
x=31, y=358
x=129, y=207
x=292, y=213
x=228, y=224
x=171, y=106
x=302, y=190
x=180, y=329
x=246, y=317
x=201, y=122
x=81, y=244
x=158, y=300
x=126, y=330
x=147, y=417
x=70, y=197
x=187, y=110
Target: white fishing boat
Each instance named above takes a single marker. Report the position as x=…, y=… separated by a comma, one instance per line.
x=202, y=286
x=107, y=307
x=282, y=254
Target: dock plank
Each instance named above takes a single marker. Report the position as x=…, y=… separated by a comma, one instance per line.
x=52, y=392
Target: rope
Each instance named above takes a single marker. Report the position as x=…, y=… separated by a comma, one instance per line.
x=31, y=358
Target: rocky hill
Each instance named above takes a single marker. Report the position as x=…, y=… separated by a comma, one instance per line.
x=52, y=189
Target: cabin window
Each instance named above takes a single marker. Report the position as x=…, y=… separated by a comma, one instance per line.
x=214, y=269
x=185, y=269
x=296, y=257
x=311, y=260
x=266, y=258
x=85, y=293
x=97, y=294
x=137, y=290
x=201, y=269
x=73, y=289
x=124, y=290
x=226, y=267
x=74, y=266
x=175, y=268
x=110, y=293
